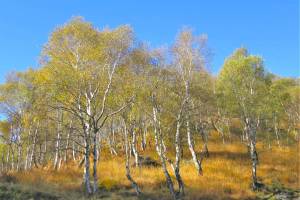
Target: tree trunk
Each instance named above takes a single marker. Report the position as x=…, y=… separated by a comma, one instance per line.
x=32, y=155
x=205, y=140
x=67, y=142
x=57, y=145
x=19, y=156
x=134, y=148
x=2, y=162
x=219, y=130
x=26, y=166
x=43, y=159
x=127, y=164
x=251, y=129
x=7, y=159
x=95, y=159
x=73, y=150
x=276, y=131
x=111, y=140
x=144, y=138
x=191, y=147
x=161, y=153
x=178, y=153
x=12, y=158
x=87, y=160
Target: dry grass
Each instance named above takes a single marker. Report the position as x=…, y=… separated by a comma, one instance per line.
x=227, y=173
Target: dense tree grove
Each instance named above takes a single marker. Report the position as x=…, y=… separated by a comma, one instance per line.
x=103, y=89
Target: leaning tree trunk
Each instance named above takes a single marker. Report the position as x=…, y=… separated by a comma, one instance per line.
x=178, y=149
x=219, y=130
x=127, y=164
x=188, y=129
x=191, y=146
x=204, y=136
x=162, y=153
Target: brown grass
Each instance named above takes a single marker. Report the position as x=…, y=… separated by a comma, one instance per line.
x=227, y=173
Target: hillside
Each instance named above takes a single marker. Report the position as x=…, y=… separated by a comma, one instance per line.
x=226, y=175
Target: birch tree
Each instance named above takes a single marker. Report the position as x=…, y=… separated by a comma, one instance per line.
x=189, y=57
x=242, y=85
x=81, y=62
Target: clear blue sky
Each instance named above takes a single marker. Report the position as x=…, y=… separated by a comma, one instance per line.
x=269, y=28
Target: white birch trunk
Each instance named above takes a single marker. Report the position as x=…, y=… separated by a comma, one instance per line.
x=95, y=159
x=127, y=164
x=134, y=148
x=251, y=129
x=191, y=147
x=57, y=144
x=161, y=153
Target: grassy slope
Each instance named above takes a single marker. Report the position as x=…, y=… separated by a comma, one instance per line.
x=226, y=175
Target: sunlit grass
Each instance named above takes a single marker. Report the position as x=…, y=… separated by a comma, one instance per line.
x=227, y=172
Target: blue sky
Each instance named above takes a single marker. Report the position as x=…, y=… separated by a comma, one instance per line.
x=269, y=28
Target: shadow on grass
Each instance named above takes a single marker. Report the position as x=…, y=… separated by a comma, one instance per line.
x=16, y=191
x=229, y=155
x=11, y=191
